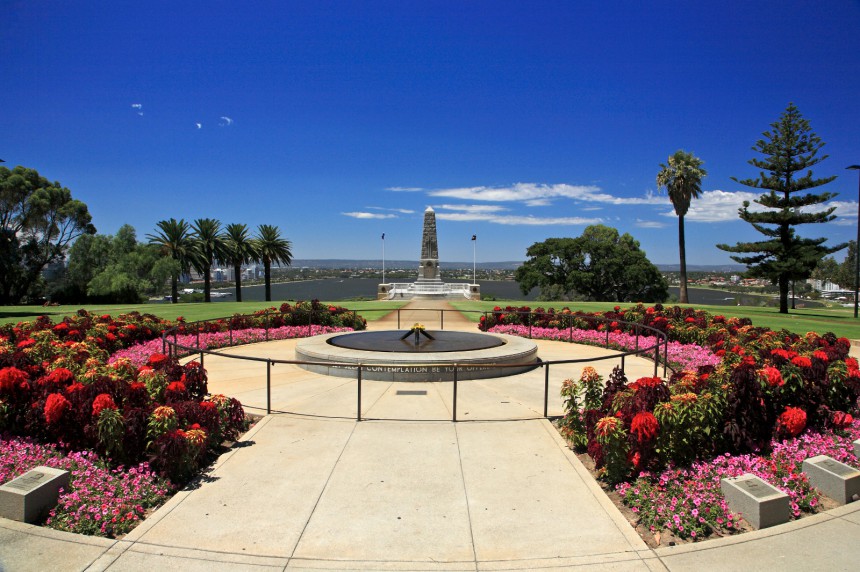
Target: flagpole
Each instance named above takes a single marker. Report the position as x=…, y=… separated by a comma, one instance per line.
x=383, y=258
x=474, y=259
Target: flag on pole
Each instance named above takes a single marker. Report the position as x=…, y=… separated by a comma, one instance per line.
x=474, y=237
x=383, y=236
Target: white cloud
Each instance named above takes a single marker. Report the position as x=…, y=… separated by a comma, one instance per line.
x=717, y=206
x=364, y=215
x=473, y=208
x=649, y=223
x=401, y=211
x=404, y=189
x=539, y=194
x=515, y=220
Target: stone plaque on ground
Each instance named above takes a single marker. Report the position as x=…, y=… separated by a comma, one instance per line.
x=31, y=496
x=760, y=503
x=837, y=480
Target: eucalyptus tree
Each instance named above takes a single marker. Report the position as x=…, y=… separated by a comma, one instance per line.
x=209, y=246
x=788, y=151
x=682, y=176
x=271, y=248
x=175, y=241
x=39, y=220
x=240, y=249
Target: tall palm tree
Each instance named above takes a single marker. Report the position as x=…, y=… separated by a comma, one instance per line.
x=241, y=249
x=272, y=248
x=208, y=247
x=682, y=177
x=174, y=240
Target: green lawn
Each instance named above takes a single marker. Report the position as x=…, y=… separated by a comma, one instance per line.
x=840, y=321
x=371, y=310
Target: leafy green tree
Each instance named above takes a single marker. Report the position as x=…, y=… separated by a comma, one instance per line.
x=682, y=176
x=790, y=148
x=208, y=247
x=271, y=248
x=599, y=265
x=240, y=250
x=38, y=221
x=111, y=269
x=174, y=241
x=827, y=270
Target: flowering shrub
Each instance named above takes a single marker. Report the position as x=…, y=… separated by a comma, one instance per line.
x=689, y=502
x=100, y=500
x=139, y=354
x=680, y=355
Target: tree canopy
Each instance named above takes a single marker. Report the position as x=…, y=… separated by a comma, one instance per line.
x=38, y=221
x=599, y=265
x=789, y=150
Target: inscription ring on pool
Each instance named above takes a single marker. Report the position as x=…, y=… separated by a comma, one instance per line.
x=387, y=356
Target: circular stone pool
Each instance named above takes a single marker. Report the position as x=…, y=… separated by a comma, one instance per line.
x=394, y=355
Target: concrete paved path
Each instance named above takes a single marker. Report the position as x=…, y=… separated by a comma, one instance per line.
x=315, y=490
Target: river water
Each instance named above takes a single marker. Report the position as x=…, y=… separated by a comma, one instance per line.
x=350, y=288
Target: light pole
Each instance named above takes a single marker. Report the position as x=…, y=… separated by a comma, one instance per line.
x=383, y=258
x=856, y=246
x=474, y=259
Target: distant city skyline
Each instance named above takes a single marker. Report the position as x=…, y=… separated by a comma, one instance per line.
x=341, y=121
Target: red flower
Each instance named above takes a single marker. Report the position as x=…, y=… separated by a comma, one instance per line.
x=644, y=426
x=644, y=382
x=690, y=320
x=61, y=376
x=818, y=354
x=55, y=406
x=792, y=421
x=176, y=386
x=842, y=420
x=101, y=402
x=74, y=387
x=10, y=377
x=772, y=376
x=801, y=361
x=208, y=405
x=156, y=360
x=22, y=345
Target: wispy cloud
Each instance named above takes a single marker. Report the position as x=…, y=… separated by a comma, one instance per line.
x=401, y=211
x=366, y=215
x=540, y=194
x=649, y=223
x=717, y=206
x=473, y=208
x=404, y=189
x=516, y=220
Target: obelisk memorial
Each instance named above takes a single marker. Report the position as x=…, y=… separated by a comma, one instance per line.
x=428, y=268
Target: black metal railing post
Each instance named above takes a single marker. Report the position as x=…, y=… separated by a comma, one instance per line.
x=622, y=364
x=454, y=405
x=358, y=401
x=268, y=387
x=656, y=357
x=398, y=318
x=163, y=343
x=546, y=390
x=201, y=358
x=441, y=319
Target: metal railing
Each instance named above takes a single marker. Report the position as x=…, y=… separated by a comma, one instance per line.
x=174, y=349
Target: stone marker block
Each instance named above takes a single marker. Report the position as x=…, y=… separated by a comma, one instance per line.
x=761, y=504
x=32, y=495
x=837, y=480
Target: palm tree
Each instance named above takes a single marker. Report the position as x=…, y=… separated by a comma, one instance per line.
x=682, y=177
x=208, y=247
x=240, y=250
x=272, y=248
x=175, y=241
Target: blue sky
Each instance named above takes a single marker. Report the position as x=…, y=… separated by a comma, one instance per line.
x=338, y=121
